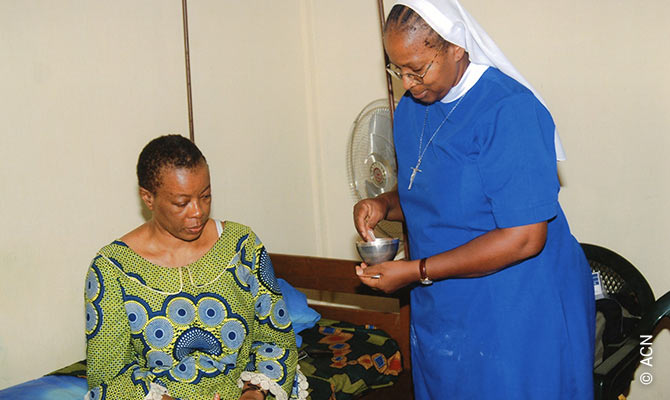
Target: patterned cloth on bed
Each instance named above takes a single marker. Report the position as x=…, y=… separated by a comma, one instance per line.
x=341, y=361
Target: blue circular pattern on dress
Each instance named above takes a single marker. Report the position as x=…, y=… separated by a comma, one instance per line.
x=185, y=370
x=196, y=339
x=211, y=311
x=159, y=332
x=268, y=350
x=92, y=284
x=207, y=363
x=159, y=359
x=91, y=318
x=280, y=316
x=181, y=311
x=94, y=394
x=229, y=360
x=253, y=285
x=243, y=273
x=137, y=316
x=263, y=305
x=270, y=368
x=140, y=374
x=233, y=334
x=266, y=273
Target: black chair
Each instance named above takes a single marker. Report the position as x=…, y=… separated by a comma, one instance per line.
x=626, y=287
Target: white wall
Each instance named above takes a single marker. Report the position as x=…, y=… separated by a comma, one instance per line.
x=276, y=86
x=347, y=66
x=84, y=85
x=250, y=111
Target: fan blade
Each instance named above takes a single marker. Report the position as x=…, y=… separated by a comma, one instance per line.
x=372, y=190
x=372, y=165
x=380, y=121
x=382, y=144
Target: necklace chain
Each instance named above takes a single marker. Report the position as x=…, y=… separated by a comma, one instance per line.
x=422, y=152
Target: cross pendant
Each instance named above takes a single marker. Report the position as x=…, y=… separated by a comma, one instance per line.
x=411, y=177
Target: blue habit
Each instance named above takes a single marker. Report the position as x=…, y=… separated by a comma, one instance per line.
x=527, y=331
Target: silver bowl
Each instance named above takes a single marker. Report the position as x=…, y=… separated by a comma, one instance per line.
x=377, y=251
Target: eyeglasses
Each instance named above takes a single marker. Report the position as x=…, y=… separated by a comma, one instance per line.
x=395, y=72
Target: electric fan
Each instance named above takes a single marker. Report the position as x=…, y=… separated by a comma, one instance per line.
x=371, y=159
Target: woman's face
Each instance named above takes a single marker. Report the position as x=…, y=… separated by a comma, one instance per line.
x=182, y=201
x=409, y=52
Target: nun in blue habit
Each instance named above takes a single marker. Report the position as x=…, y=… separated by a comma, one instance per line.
x=502, y=301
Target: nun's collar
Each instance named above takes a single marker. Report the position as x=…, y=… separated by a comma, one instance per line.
x=471, y=75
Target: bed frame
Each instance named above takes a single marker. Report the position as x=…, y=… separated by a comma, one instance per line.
x=337, y=276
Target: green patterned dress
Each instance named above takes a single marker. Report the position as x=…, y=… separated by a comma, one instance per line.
x=191, y=331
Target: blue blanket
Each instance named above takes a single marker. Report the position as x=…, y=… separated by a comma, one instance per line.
x=50, y=387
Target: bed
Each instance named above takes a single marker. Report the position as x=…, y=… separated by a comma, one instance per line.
x=351, y=353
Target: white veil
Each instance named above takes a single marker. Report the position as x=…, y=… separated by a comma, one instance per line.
x=451, y=21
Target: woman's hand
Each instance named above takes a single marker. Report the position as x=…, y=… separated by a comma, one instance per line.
x=252, y=395
x=367, y=214
x=393, y=275
x=252, y=392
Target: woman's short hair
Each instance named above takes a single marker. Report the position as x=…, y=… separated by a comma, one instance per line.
x=169, y=151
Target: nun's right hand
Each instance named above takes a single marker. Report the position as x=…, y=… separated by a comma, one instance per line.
x=367, y=214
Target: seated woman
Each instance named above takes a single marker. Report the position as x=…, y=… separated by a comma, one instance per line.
x=184, y=306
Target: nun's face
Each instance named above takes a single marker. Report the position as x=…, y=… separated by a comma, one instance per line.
x=441, y=66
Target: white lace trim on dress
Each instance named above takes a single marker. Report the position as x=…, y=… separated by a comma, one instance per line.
x=156, y=392
x=303, y=385
x=268, y=384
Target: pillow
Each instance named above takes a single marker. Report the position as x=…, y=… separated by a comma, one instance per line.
x=302, y=317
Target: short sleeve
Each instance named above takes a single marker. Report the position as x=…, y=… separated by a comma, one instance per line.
x=517, y=162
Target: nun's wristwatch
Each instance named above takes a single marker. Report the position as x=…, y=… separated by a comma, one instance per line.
x=422, y=270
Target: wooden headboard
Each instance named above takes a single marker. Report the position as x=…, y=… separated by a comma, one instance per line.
x=337, y=276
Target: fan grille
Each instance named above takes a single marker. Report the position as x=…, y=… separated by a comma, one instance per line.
x=372, y=164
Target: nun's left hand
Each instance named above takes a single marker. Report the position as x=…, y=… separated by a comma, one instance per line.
x=389, y=276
